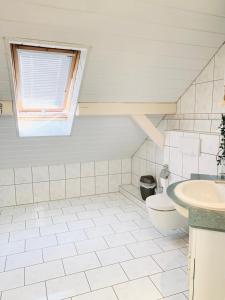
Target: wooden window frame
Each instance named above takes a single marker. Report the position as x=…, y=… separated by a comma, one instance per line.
x=36, y=112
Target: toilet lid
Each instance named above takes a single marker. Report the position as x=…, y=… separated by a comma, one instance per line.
x=160, y=202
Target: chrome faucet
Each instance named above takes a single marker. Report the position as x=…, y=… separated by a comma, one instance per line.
x=164, y=174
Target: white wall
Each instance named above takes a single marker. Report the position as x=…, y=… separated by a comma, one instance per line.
x=137, y=51
x=54, y=182
x=198, y=116
x=97, y=138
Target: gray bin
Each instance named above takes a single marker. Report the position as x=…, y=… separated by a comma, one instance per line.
x=147, y=186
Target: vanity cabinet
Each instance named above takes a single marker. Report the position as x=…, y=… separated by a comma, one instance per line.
x=206, y=264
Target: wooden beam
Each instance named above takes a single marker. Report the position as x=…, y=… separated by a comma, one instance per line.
x=148, y=127
x=123, y=108
x=6, y=108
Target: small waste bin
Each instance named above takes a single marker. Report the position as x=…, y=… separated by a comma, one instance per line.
x=147, y=186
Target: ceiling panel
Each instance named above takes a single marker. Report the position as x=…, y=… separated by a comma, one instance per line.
x=138, y=50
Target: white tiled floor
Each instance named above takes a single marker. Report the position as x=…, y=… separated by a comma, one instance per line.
x=88, y=248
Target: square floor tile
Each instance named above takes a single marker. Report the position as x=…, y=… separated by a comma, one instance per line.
x=38, y=222
x=67, y=286
x=103, y=294
x=146, y=234
x=106, y=276
x=73, y=209
x=124, y=226
x=170, y=243
x=171, y=282
x=98, y=231
x=4, y=238
x=61, y=203
x=89, y=214
x=63, y=219
x=43, y=272
x=124, y=217
x=53, y=229
x=111, y=211
x=114, y=231
x=12, y=248
x=2, y=263
x=11, y=279
x=114, y=203
x=119, y=239
x=58, y=252
x=113, y=255
x=25, y=217
x=12, y=227
x=91, y=245
x=41, y=242
x=5, y=219
x=34, y=292
x=80, y=224
x=143, y=248
x=94, y=206
x=24, y=234
x=144, y=223
x=50, y=213
x=25, y=259
x=72, y=236
x=12, y=211
x=171, y=259
x=140, y=267
x=81, y=263
x=142, y=289
x=105, y=220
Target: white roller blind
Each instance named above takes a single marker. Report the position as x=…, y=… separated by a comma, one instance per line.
x=44, y=77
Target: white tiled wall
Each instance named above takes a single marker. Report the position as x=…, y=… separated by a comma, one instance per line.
x=181, y=165
x=198, y=116
x=199, y=108
x=54, y=182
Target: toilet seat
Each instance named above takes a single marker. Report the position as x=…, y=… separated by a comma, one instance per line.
x=160, y=202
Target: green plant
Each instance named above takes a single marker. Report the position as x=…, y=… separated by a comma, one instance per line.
x=221, y=153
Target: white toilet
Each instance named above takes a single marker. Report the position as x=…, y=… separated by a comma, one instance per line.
x=162, y=211
x=163, y=214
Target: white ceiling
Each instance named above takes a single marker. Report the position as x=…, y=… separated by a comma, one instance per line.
x=140, y=50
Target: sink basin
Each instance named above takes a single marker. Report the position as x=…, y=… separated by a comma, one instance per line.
x=207, y=194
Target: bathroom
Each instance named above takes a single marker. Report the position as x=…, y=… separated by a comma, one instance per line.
x=142, y=95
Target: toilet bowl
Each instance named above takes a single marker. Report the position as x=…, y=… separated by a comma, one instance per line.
x=163, y=213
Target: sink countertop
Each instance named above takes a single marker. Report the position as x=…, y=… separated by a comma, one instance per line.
x=200, y=217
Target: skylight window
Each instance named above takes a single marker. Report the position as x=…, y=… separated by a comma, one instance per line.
x=47, y=82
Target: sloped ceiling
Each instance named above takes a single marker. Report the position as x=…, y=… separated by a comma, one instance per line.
x=140, y=50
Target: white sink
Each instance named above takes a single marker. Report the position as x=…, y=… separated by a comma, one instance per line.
x=207, y=194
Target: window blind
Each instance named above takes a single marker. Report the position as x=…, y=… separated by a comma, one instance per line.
x=44, y=77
